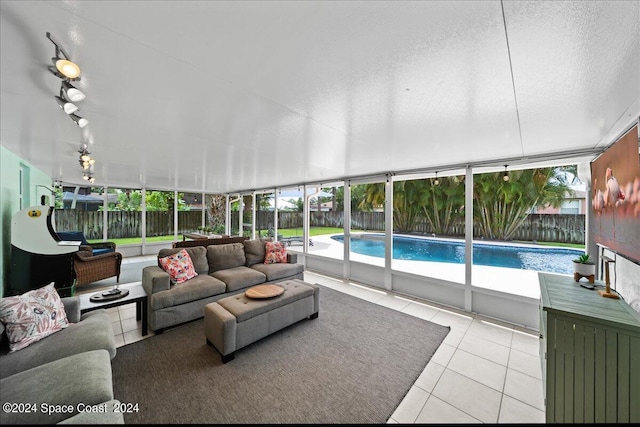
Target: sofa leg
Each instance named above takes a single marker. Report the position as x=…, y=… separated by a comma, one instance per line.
x=314, y=316
x=228, y=357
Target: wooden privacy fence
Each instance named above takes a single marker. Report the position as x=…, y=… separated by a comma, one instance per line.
x=567, y=228
x=123, y=224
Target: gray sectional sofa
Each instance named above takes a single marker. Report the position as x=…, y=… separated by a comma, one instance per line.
x=67, y=373
x=223, y=270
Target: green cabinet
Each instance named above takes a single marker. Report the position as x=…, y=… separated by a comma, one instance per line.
x=590, y=353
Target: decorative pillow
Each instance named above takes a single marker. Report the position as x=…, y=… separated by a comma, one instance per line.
x=179, y=266
x=275, y=252
x=32, y=316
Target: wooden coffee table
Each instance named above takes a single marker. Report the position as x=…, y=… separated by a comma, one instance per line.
x=264, y=291
x=136, y=294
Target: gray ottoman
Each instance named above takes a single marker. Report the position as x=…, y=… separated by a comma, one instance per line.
x=237, y=321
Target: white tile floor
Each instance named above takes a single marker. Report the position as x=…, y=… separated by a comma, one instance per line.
x=485, y=371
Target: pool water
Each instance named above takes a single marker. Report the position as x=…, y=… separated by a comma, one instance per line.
x=553, y=260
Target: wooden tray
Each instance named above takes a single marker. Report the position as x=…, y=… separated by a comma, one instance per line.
x=264, y=291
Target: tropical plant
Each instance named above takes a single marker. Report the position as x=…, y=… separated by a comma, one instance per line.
x=500, y=207
x=443, y=204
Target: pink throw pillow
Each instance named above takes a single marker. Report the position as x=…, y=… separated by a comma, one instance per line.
x=32, y=316
x=179, y=266
x=275, y=252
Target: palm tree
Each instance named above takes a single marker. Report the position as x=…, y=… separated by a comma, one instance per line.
x=443, y=204
x=500, y=207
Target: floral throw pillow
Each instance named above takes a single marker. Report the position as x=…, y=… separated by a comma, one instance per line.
x=32, y=316
x=179, y=266
x=275, y=252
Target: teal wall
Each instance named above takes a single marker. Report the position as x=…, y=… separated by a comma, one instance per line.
x=10, y=166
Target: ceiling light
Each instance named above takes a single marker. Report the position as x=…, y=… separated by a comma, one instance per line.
x=64, y=67
x=69, y=69
x=80, y=121
x=72, y=93
x=67, y=106
x=505, y=176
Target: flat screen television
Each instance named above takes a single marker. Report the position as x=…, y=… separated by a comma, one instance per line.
x=615, y=189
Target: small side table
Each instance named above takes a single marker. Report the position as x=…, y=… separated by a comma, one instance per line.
x=137, y=294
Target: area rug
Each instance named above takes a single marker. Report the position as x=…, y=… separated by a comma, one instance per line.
x=353, y=364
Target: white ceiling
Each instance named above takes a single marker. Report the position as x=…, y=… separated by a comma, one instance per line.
x=227, y=96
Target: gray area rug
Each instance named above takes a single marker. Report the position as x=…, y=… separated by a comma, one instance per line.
x=353, y=364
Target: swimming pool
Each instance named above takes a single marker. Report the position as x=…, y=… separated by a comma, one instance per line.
x=553, y=260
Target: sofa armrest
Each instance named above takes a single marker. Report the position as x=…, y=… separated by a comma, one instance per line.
x=155, y=279
x=72, y=308
x=292, y=258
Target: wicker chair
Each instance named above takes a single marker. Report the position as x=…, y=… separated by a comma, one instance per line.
x=91, y=268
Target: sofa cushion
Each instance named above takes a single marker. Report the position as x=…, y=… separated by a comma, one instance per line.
x=93, y=332
x=278, y=271
x=254, y=250
x=201, y=286
x=222, y=257
x=239, y=277
x=179, y=267
x=32, y=316
x=81, y=378
x=198, y=255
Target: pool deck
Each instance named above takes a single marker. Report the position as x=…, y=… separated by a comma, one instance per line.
x=507, y=280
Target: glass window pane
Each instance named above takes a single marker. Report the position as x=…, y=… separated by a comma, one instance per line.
x=290, y=218
x=216, y=214
x=326, y=226
x=190, y=214
x=124, y=216
x=429, y=227
x=159, y=216
x=264, y=215
x=367, y=243
x=80, y=209
x=511, y=242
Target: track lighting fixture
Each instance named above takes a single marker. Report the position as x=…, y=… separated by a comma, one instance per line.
x=80, y=121
x=86, y=162
x=63, y=67
x=67, y=70
x=71, y=93
x=67, y=106
x=436, y=182
x=505, y=176
x=87, y=176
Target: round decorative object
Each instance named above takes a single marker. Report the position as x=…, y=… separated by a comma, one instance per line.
x=264, y=291
x=109, y=295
